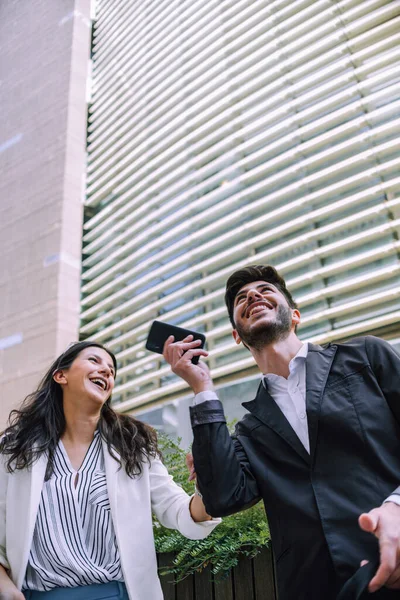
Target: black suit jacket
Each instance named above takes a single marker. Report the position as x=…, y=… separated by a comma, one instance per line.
x=313, y=501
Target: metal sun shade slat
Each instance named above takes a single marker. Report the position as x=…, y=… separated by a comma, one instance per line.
x=290, y=157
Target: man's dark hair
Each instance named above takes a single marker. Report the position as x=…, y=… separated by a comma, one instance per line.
x=254, y=273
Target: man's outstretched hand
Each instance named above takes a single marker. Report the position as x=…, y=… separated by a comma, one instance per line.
x=179, y=355
x=384, y=523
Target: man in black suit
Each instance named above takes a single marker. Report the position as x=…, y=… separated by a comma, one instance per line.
x=320, y=444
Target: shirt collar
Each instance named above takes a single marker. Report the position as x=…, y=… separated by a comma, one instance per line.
x=298, y=358
x=302, y=353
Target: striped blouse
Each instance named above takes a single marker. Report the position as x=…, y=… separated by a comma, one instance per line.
x=74, y=541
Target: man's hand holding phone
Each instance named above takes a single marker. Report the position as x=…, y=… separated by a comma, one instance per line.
x=179, y=355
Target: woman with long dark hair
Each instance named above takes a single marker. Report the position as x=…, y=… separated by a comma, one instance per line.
x=78, y=484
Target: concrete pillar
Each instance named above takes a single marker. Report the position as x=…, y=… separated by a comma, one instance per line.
x=44, y=57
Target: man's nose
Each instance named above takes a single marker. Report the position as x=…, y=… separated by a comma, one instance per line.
x=253, y=295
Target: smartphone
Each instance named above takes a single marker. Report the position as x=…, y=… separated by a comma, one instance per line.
x=160, y=332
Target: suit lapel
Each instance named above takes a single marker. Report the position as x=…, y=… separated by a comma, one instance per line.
x=265, y=408
x=318, y=366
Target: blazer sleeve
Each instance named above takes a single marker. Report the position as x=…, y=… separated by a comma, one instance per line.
x=3, y=514
x=385, y=364
x=223, y=469
x=170, y=503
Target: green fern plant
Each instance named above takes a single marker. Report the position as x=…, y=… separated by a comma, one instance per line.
x=242, y=534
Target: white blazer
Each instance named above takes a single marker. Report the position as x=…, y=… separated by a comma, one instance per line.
x=132, y=502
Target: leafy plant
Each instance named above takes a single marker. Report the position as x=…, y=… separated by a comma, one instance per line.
x=244, y=533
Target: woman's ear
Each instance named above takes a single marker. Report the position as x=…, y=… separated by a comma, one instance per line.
x=59, y=377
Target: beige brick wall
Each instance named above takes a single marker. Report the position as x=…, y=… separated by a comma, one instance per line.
x=44, y=51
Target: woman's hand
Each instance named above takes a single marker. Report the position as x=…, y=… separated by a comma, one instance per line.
x=197, y=508
x=190, y=467
x=8, y=591
x=11, y=595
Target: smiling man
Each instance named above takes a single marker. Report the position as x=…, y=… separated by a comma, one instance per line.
x=320, y=444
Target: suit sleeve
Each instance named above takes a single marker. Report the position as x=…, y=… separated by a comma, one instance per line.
x=224, y=475
x=385, y=364
x=170, y=503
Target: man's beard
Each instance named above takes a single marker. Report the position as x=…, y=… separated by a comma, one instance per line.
x=269, y=333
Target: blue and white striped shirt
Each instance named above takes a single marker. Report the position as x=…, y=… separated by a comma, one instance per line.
x=74, y=541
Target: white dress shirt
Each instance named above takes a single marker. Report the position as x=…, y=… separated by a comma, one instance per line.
x=290, y=395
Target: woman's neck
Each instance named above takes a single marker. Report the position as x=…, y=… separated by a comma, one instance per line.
x=79, y=426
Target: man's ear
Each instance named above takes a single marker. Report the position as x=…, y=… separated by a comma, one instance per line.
x=296, y=317
x=236, y=336
x=59, y=377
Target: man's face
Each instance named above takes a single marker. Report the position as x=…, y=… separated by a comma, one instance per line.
x=262, y=315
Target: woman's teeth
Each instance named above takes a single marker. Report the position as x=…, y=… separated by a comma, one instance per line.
x=99, y=383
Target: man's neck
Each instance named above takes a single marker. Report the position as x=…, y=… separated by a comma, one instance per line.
x=275, y=358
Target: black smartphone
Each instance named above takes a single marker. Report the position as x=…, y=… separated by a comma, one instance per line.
x=160, y=332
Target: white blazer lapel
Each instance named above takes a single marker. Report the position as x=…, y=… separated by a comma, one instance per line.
x=130, y=504
x=25, y=489
x=112, y=468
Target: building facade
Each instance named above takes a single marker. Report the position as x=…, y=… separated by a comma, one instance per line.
x=223, y=133
x=44, y=50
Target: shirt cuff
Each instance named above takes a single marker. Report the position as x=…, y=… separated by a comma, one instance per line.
x=393, y=498
x=204, y=397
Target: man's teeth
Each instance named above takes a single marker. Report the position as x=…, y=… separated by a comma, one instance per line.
x=100, y=383
x=260, y=306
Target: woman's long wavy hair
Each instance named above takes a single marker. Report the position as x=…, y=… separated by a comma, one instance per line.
x=36, y=427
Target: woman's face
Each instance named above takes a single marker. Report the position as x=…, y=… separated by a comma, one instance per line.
x=90, y=376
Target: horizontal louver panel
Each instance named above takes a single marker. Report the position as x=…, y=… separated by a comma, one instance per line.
x=224, y=133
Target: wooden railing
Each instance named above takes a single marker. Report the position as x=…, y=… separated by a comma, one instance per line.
x=251, y=579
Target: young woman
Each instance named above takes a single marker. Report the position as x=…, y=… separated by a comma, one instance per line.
x=78, y=484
